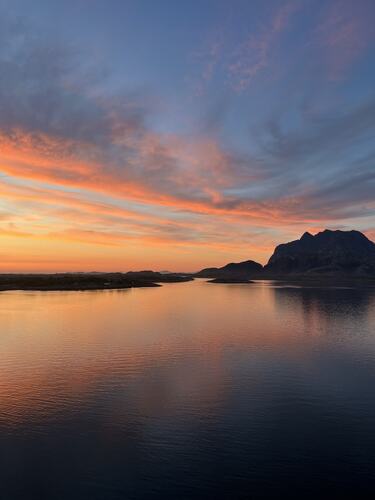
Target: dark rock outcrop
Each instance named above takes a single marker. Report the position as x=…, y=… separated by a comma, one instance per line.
x=158, y=277
x=328, y=252
x=232, y=281
x=233, y=271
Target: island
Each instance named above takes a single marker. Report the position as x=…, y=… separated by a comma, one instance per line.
x=327, y=258
x=88, y=281
x=230, y=280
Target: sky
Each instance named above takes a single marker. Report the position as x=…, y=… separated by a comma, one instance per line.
x=172, y=135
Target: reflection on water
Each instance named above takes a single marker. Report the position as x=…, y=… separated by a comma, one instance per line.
x=190, y=391
x=331, y=302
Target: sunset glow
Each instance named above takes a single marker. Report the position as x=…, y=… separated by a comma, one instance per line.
x=141, y=135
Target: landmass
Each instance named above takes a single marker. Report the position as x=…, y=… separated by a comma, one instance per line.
x=328, y=252
x=329, y=258
x=233, y=271
x=87, y=281
x=230, y=280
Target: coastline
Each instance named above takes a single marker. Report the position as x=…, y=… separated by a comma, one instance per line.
x=150, y=279
x=86, y=281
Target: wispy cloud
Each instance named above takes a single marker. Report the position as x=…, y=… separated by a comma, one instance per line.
x=343, y=34
x=253, y=54
x=239, y=60
x=208, y=60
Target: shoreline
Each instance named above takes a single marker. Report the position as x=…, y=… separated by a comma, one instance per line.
x=149, y=279
x=87, y=281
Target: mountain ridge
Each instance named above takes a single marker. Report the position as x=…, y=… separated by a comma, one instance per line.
x=329, y=252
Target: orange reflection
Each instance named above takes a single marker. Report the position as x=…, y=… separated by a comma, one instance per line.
x=171, y=344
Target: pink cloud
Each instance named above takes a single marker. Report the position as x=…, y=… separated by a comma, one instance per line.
x=252, y=55
x=344, y=34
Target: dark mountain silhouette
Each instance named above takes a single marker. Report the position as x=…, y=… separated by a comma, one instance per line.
x=233, y=271
x=328, y=252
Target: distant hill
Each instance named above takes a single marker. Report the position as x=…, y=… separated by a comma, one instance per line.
x=157, y=277
x=240, y=270
x=328, y=252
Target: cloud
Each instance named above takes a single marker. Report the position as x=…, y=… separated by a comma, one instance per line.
x=58, y=124
x=335, y=130
x=239, y=59
x=86, y=161
x=208, y=60
x=343, y=34
x=322, y=39
x=252, y=55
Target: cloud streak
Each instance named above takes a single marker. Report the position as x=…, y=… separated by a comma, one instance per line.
x=253, y=54
x=343, y=34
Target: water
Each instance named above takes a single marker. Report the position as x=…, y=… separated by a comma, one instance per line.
x=192, y=390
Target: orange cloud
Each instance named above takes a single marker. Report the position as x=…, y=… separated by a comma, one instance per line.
x=200, y=172
x=62, y=204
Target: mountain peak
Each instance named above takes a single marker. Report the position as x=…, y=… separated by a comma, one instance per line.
x=332, y=252
x=327, y=251
x=306, y=236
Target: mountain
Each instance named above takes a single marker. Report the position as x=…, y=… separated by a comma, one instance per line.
x=338, y=253
x=233, y=271
x=328, y=252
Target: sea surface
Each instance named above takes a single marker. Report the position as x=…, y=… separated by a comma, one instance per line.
x=188, y=391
